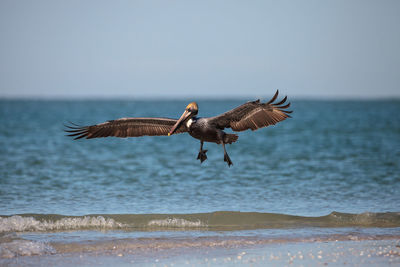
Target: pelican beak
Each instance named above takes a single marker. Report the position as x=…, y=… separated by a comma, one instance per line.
x=184, y=116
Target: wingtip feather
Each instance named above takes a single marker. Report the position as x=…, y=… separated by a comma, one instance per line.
x=281, y=102
x=274, y=97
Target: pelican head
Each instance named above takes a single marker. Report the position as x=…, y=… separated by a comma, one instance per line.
x=191, y=110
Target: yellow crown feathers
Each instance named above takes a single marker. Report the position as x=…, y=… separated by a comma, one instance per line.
x=192, y=105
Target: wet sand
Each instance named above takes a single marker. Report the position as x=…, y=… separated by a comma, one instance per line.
x=377, y=251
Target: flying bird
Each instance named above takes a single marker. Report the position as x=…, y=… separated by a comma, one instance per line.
x=251, y=115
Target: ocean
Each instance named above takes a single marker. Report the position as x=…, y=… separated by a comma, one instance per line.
x=332, y=172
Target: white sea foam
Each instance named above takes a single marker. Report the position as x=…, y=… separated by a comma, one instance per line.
x=24, y=248
x=176, y=222
x=19, y=224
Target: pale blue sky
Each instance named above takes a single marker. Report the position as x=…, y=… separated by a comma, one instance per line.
x=199, y=48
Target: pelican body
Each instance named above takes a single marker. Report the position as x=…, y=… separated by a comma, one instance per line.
x=251, y=115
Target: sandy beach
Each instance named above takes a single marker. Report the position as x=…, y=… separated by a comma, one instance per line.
x=339, y=250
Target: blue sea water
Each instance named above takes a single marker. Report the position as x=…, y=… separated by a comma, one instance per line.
x=330, y=159
x=331, y=156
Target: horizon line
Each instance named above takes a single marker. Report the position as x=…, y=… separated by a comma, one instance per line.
x=177, y=98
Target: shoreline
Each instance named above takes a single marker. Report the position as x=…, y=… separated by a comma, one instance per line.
x=228, y=251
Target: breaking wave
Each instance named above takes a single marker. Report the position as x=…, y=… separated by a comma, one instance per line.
x=176, y=222
x=23, y=223
x=221, y=220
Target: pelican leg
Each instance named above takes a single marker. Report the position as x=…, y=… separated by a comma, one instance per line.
x=202, y=153
x=226, y=156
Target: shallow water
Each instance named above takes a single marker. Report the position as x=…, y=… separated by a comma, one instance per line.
x=330, y=159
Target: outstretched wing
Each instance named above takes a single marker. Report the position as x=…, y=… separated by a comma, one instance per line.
x=253, y=115
x=125, y=127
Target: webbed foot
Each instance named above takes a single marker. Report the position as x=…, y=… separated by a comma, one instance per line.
x=227, y=160
x=202, y=155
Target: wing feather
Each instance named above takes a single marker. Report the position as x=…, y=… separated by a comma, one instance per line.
x=125, y=127
x=253, y=115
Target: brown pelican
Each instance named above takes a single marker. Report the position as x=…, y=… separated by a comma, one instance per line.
x=251, y=115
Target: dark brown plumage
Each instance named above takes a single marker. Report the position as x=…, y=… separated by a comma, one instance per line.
x=125, y=127
x=251, y=115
